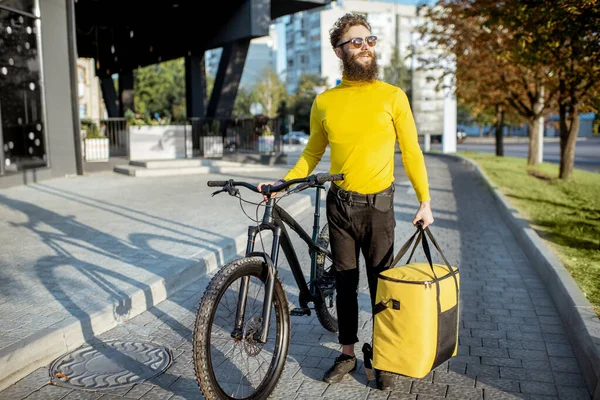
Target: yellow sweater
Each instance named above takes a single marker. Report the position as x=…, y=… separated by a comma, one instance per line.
x=361, y=123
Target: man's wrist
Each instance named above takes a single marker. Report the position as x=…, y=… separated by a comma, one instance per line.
x=426, y=203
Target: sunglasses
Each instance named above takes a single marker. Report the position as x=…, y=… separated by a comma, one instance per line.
x=357, y=42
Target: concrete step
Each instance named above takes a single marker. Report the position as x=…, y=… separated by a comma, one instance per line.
x=184, y=163
x=186, y=167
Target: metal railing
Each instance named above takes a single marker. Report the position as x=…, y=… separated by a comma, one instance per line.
x=211, y=136
x=115, y=129
x=208, y=137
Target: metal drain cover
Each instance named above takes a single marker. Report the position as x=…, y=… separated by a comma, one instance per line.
x=108, y=365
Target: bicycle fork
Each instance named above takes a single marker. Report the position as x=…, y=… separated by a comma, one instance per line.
x=261, y=335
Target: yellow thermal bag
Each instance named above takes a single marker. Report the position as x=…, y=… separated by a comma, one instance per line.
x=416, y=313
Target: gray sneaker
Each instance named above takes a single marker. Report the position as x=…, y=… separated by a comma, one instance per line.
x=343, y=365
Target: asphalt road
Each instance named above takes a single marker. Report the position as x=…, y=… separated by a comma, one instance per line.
x=587, y=152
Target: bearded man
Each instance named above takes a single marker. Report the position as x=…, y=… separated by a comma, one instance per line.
x=361, y=119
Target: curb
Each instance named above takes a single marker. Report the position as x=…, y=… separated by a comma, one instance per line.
x=581, y=322
x=25, y=356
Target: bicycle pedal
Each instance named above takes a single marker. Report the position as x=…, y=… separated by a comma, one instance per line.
x=300, y=311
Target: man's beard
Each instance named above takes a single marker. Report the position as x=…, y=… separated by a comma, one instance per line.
x=355, y=70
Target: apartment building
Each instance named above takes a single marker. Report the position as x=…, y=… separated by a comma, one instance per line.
x=308, y=50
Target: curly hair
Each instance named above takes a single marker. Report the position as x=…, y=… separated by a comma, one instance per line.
x=344, y=23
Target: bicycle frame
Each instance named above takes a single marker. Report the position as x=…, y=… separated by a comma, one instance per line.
x=274, y=219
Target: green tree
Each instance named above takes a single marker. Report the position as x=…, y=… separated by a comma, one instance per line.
x=488, y=78
x=269, y=91
x=160, y=88
x=241, y=106
x=396, y=73
x=302, y=99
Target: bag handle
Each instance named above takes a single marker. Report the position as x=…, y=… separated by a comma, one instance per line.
x=405, y=248
x=420, y=235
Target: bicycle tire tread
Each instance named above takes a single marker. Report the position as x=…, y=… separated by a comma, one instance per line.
x=203, y=315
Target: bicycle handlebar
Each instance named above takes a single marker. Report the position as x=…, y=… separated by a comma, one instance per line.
x=314, y=179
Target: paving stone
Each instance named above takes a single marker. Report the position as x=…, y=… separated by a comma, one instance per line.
x=460, y=393
x=485, y=333
x=431, y=389
x=517, y=335
x=556, y=338
x=567, y=379
x=502, y=362
x=402, y=396
x=453, y=378
x=137, y=391
x=543, y=365
x=512, y=373
x=529, y=355
x=313, y=362
x=564, y=364
x=533, y=345
x=374, y=394
x=157, y=393
x=17, y=391
x=542, y=388
x=510, y=343
x=508, y=320
x=490, y=394
x=488, y=352
x=49, y=392
x=559, y=350
x=480, y=325
x=539, y=376
x=572, y=393
x=555, y=328
x=470, y=341
x=314, y=387
x=490, y=342
x=507, y=385
x=483, y=370
x=82, y=395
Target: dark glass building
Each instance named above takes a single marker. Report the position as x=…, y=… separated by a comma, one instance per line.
x=40, y=41
x=36, y=124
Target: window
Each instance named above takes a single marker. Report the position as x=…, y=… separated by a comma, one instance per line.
x=21, y=116
x=80, y=74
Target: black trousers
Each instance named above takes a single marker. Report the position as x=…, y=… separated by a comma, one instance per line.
x=358, y=224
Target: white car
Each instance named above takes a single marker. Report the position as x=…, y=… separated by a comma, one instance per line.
x=295, y=137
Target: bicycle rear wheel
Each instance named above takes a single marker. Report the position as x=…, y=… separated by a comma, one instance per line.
x=326, y=307
x=239, y=367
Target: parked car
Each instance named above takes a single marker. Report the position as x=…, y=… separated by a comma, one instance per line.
x=460, y=137
x=295, y=137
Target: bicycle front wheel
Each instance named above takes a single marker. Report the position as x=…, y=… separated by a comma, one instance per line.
x=234, y=365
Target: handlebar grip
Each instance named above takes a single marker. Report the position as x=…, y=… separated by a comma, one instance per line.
x=216, y=183
x=322, y=178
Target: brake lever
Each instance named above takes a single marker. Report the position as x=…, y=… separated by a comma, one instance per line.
x=217, y=192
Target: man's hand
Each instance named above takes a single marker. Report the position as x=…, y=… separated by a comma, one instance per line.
x=273, y=194
x=424, y=214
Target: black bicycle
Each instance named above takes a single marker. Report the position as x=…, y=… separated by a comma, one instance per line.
x=242, y=330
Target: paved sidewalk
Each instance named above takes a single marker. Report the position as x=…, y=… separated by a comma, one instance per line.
x=512, y=342
x=81, y=254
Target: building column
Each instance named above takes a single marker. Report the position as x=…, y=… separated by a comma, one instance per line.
x=125, y=92
x=195, y=86
x=228, y=79
x=109, y=94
